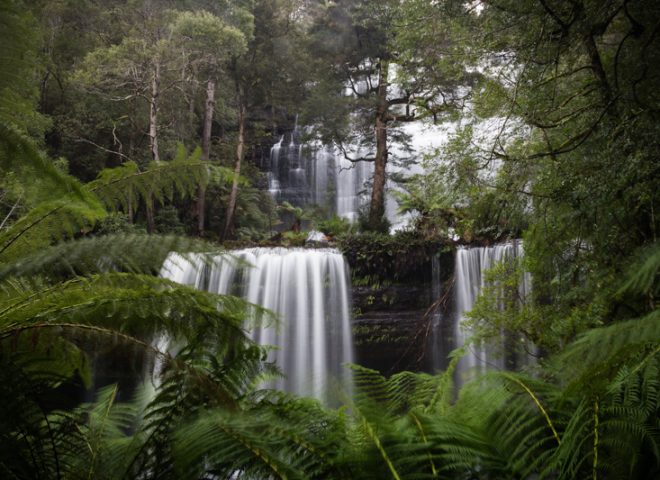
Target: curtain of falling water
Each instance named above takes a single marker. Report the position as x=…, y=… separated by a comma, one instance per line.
x=308, y=289
x=470, y=265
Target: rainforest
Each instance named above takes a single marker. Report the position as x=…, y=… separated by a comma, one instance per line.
x=329, y=239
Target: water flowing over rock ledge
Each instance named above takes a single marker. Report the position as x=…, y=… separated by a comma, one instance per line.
x=307, y=288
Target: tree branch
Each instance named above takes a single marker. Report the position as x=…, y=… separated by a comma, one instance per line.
x=354, y=160
x=18, y=201
x=114, y=152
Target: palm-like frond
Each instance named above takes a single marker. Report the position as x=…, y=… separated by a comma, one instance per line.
x=48, y=223
x=131, y=253
x=127, y=303
x=279, y=437
x=593, y=360
x=127, y=185
x=642, y=275
x=38, y=176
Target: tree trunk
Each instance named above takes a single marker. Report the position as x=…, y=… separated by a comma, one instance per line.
x=153, y=113
x=149, y=213
x=206, y=150
x=129, y=208
x=377, y=205
x=242, y=114
x=208, y=118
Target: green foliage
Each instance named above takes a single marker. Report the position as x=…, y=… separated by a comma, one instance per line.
x=384, y=257
x=48, y=222
x=20, y=158
x=209, y=38
x=460, y=194
x=19, y=37
x=294, y=239
x=128, y=185
x=502, y=309
x=576, y=89
x=116, y=223
x=334, y=226
x=275, y=437
x=63, y=297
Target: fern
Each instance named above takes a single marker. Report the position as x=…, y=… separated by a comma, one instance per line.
x=48, y=223
x=273, y=438
x=126, y=185
x=132, y=253
x=40, y=180
x=594, y=359
x=642, y=275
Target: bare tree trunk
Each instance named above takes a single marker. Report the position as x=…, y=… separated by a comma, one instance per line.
x=208, y=118
x=377, y=205
x=153, y=113
x=242, y=114
x=206, y=150
x=149, y=210
x=129, y=208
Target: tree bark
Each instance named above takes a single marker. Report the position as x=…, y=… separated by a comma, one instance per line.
x=377, y=205
x=149, y=213
x=206, y=150
x=153, y=112
x=208, y=118
x=153, y=140
x=242, y=114
x=129, y=209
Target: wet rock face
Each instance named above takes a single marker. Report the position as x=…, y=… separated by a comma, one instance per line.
x=393, y=323
x=390, y=327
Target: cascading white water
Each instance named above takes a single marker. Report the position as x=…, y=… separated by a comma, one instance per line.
x=469, y=279
x=308, y=289
x=313, y=174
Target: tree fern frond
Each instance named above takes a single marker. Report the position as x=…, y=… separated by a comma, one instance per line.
x=48, y=223
x=291, y=439
x=37, y=175
x=643, y=273
x=441, y=399
x=135, y=253
x=396, y=394
x=594, y=359
x=137, y=304
x=126, y=185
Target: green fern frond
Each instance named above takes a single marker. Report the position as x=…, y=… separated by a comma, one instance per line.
x=642, y=276
x=134, y=253
x=48, y=223
x=594, y=359
x=38, y=177
x=126, y=185
x=135, y=304
x=285, y=438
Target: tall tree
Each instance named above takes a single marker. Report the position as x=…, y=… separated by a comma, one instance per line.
x=384, y=84
x=571, y=90
x=581, y=77
x=209, y=43
x=271, y=70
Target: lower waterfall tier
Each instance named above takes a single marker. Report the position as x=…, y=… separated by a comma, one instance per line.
x=309, y=292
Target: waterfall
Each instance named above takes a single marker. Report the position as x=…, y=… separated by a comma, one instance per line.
x=469, y=279
x=313, y=174
x=307, y=289
x=306, y=174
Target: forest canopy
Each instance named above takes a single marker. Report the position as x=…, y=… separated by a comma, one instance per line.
x=134, y=128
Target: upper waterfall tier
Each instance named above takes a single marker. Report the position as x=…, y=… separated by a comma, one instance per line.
x=307, y=289
x=310, y=174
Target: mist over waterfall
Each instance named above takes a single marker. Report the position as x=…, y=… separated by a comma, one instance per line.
x=470, y=265
x=307, y=289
